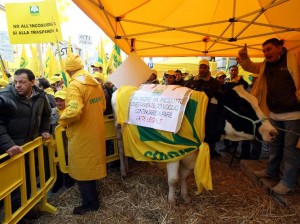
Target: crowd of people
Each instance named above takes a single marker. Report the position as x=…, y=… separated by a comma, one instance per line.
x=34, y=107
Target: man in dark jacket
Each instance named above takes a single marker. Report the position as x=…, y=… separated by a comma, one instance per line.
x=44, y=84
x=277, y=89
x=235, y=78
x=32, y=119
x=33, y=112
x=179, y=79
x=205, y=82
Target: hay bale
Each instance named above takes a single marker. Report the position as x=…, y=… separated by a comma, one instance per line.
x=142, y=198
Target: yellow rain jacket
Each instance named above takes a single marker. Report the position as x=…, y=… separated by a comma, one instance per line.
x=84, y=123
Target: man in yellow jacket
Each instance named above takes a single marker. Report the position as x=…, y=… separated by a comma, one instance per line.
x=84, y=123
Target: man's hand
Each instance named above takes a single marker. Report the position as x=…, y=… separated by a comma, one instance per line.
x=45, y=136
x=243, y=53
x=14, y=150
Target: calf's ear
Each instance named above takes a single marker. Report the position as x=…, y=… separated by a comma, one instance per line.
x=220, y=96
x=212, y=93
x=228, y=97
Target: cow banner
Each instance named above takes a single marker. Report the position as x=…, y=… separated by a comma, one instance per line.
x=148, y=144
x=159, y=106
x=33, y=22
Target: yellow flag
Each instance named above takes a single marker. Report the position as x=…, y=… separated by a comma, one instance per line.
x=54, y=67
x=62, y=6
x=51, y=64
x=86, y=58
x=35, y=62
x=47, y=63
x=24, y=58
x=101, y=54
x=69, y=50
x=63, y=73
x=3, y=65
x=227, y=64
x=115, y=59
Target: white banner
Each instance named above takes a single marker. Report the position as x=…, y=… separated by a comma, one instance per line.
x=159, y=106
x=6, y=49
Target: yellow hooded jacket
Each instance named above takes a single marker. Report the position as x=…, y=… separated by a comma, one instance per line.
x=84, y=122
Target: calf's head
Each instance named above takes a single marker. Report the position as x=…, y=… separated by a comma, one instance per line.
x=244, y=118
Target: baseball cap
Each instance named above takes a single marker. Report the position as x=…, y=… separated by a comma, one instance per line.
x=60, y=94
x=204, y=62
x=96, y=65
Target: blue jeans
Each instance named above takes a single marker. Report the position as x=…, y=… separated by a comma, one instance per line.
x=284, y=148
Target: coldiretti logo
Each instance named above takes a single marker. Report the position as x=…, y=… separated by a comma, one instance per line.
x=34, y=10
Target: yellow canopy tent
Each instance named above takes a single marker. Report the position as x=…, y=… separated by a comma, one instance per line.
x=188, y=64
x=185, y=64
x=195, y=27
x=191, y=65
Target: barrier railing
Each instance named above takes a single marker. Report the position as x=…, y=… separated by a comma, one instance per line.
x=13, y=176
x=13, y=172
x=110, y=134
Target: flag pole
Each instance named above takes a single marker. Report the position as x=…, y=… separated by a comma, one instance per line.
x=41, y=60
x=2, y=63
x=60, y=58
x=3, y=68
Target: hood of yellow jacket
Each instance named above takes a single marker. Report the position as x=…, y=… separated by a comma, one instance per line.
x=85, y=78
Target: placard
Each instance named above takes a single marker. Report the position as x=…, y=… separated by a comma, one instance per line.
x=85, y=39
x=159, y=106
x=132, y=72
x=33, y=22
x=6, y=49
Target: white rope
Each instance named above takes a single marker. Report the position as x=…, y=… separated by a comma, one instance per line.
x=247, y=118
x=285, y=130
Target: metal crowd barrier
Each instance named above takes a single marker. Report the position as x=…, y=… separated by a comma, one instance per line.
x=110, y=134
x=13, y=176
x=13, y=172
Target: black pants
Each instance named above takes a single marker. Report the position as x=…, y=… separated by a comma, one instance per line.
x=89, y=194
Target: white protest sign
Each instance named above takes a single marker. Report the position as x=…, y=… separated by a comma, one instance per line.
x=6, y=49
x=159, y=106
x=132, y=72
x=63, y=47
x=85, y=39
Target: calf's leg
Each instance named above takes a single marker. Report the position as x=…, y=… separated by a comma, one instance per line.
x=173, y=178
x=186, y=166
x=184, y=173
